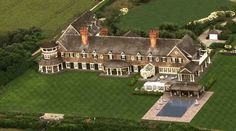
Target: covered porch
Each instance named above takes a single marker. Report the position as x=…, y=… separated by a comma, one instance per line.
x=186, y=89
x=117, y=68
x=50, y=66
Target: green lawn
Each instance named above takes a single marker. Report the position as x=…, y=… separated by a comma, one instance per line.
x=50, y=15
x=76, y=93
x=179, y=12
x=220, y=111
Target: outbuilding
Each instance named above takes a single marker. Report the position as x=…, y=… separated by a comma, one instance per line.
x=214, y=34
x=154, y=86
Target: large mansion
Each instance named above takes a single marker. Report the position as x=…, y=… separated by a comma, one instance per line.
x=84, y=45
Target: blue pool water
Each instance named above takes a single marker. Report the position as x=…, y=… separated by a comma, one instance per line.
x=176, y=107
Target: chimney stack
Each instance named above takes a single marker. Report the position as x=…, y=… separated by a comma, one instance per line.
x=154, y=35
x=84, y=35
x=103, y=32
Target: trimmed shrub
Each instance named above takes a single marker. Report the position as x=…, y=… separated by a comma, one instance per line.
x=217, y=46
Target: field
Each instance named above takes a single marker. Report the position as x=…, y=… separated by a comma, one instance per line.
x=180, y=12
x=76, y=93
x=219, y=112
x=49, y=15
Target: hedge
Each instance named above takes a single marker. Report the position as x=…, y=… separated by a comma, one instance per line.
x=74, y=123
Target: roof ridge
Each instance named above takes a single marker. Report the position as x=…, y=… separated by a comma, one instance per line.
x=133, y=37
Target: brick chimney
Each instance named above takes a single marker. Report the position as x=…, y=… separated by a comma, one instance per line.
x=154, y=35
x=103, y=32
x=84, y=35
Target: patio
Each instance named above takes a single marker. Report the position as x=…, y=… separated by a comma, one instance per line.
x=187, y=116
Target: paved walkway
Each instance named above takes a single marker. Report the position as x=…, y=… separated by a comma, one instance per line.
x=187, y=117
x=207, y=42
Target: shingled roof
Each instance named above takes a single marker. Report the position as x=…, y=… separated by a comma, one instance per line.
x=187, y=45
x=83, y=20
x=192, y=66
x=131, y=34
x=50, y=44
x=53, y=61
x=118, y=44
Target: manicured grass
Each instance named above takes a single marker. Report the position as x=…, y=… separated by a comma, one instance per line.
x=50, y=15
x=220, y=110
x=76, y=93
x=180, y=12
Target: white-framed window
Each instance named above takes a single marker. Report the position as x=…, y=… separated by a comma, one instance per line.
x=95, y=55
x=48, y=67
x=173, y=59
x=150, y=57
x=46, y=56
x=67, y=65
x=92, y=66
x=139, y=57
x=84, y=66
x=163, y=59
x=77, y=55
x=135, y=68
x=62, y=54
x=160, y=70
x=76, y=66
x=100, y=67
x=123, y=56
x=180, y=60
x=72, y=55
x=67, y=54
x=84, y=55
x=110, y=56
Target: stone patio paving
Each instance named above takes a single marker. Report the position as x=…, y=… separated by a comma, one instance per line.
x=187, y=117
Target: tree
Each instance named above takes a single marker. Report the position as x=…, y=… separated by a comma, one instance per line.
x=169, y=27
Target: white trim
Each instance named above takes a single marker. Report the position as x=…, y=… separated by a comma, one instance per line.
x=60, y=44
x=186, y=70
x=175, y=47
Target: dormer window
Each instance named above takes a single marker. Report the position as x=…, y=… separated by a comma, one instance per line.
x=173, y=60
x=95, y=56
x=62, y=54
x=77, y=55
x=72, y=55
x=110, y=56
x=67, y=54
x=180, y=60
x=150, y=57
x=84, y=55
x=139, y=57
x=163, y=59
x=123, y=57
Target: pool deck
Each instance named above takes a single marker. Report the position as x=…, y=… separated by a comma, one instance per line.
x=188, y=115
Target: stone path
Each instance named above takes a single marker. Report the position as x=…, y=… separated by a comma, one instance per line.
x=187, y=117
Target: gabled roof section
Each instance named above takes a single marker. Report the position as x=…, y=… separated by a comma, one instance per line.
x=83, y=20
x=191, y=67
x=68, y=37
x=188, y=46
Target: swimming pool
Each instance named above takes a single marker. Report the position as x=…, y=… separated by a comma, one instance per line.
x=176, y=107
